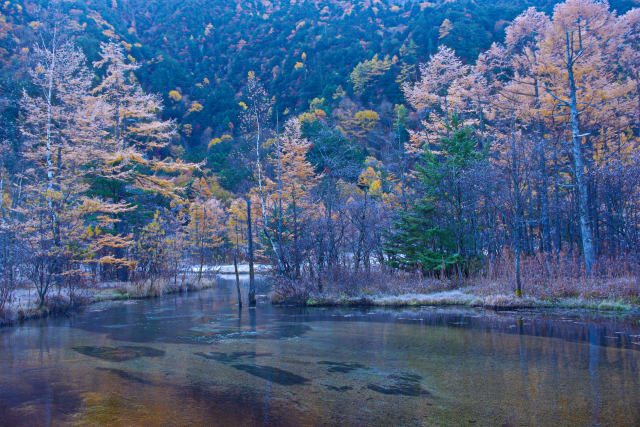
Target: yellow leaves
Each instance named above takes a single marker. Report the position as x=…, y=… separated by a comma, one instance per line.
x=375, y=189
x=304, y=56
x=175, y=95
x=298, y=65
x=213, y=142
x=365, y=72
x=126, y=45
x=91, y=232
x=316, y=103
x=6, y=199
x=236, y=221
x=320, y=114
x=111, y=260
x=366, y=119
x=300, y=25
x=110, y=34
x=317, y=114
x=131, y=59
x=445, y=28
x=208, y=29
x=206, y=225
x=195, y=107
x=339, y=93
x=206, y=81
x=251, y=75
x=216, y=141
x=170, y=166
x=187, y=129
x=35, y=25
x=307, y=118
x=360, y=123
x=243, y=105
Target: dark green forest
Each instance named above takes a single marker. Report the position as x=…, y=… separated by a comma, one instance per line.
x=302, y=50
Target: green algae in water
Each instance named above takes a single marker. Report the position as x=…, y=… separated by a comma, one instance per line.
x=118, y=354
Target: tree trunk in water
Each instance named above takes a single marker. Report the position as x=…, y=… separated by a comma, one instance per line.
x=235, y=267
x=252, y=281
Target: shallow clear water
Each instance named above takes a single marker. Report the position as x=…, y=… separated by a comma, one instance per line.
x=196, y=359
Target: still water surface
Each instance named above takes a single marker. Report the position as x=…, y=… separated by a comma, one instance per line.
x=196, y=359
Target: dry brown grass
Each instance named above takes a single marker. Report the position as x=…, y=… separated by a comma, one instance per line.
x=549, y=280
x=561, y=277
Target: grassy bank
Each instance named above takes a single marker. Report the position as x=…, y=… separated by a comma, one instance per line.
x=28, y=308
x=404, y=290
x=464, y=297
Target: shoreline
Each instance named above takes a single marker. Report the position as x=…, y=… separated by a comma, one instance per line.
x=22, y=315
x=498, y=302
x=13, y=315
x=452, y=298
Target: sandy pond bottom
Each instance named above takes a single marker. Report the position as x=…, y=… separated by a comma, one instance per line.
x=196, y=359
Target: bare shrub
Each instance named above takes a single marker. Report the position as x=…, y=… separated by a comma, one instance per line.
x=561, y=276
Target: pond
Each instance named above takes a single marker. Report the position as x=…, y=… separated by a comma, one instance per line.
x=196, y=359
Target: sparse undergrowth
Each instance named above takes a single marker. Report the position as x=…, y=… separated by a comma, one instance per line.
x=401, y=290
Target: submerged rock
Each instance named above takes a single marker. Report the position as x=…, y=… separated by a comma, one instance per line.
x=276, y=375
x=341, y=367
x=119, y=354
x=125, y=375
x=232, y=357
x=403, y=384
x=341, y=388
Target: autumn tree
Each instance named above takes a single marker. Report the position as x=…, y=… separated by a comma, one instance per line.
x=206, y=226
x=61, y=131
x=258, y=106
x=138, y=164
x=236, y=232
x=292, y=194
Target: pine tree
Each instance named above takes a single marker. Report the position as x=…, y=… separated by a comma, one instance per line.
x=431, y=235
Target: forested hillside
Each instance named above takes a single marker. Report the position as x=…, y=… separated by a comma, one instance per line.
x=457, y=140
x=201, y=51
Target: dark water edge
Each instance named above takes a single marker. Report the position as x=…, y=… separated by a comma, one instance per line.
x=195, y=358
